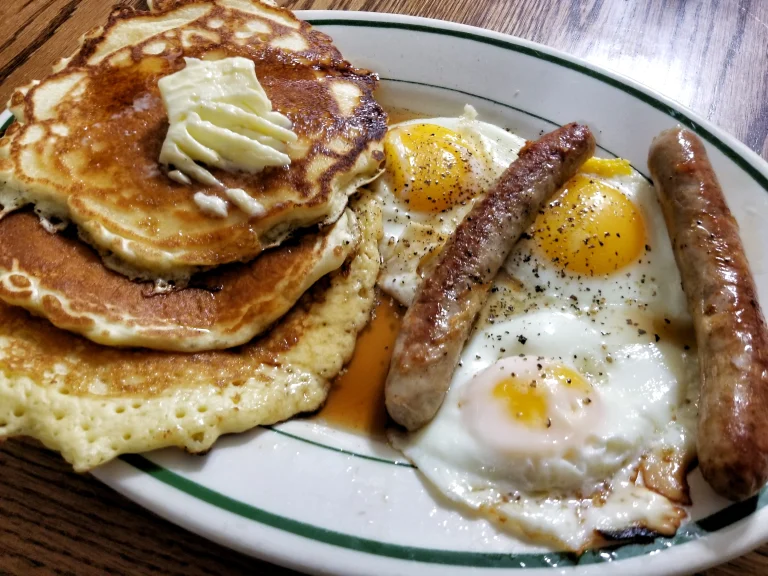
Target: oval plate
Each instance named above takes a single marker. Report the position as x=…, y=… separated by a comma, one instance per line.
x=319, y=500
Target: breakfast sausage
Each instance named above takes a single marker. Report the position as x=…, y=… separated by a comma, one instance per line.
x=730, y=329
x=439, y=320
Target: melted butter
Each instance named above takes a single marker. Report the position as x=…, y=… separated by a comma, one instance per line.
x=356, y=400
x=219, y=116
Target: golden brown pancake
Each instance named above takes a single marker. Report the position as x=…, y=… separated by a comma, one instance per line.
x=88, y=138
x=60, y=278
x=92, y=402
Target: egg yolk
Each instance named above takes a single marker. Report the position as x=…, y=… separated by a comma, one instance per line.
x=607, y=167
x=525, y=396
x=568, y=378
x=590, y=228
x=524, y=401
x=428, y=165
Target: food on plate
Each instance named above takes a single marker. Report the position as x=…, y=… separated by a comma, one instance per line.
x=730, y=329
x=356, y=400
x=89, y=145
x=546, y=421
x=182, y=213
x=211, y=149
x=435, y=170
x=570, y=419
x=601, y=241
x=59, y=278
x=93, y=402
x=440, y=318
x=219, y=116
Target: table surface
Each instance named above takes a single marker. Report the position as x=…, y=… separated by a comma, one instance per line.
x=710, y=56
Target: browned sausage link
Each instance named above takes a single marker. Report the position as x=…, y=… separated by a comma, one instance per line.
x=439, y=321
x=722, y=299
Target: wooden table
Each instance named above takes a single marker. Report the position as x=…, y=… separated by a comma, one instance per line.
x=710, y=56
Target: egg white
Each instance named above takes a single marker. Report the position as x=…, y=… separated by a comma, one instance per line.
x=651, y=282
x=547, y=495
x=410, y=235
x=644, y=386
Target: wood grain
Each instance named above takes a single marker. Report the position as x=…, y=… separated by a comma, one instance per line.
x=710, y=55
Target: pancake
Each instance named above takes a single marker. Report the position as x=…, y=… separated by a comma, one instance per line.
x=93, y=403
x=60, y=278
x=87, y=140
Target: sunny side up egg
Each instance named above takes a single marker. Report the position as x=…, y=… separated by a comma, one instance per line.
x=435, y=170
x=600, y=241
x=547, y=420
x=571, y=418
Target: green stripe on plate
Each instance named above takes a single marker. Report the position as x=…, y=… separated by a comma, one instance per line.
x=688, y=532
x=502, y=104
x=7, y=123
x=402, y=463
x=677, y=115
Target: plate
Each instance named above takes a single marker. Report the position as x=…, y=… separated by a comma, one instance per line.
x=321, y=500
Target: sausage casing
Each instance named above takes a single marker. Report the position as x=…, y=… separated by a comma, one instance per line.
x=439, y=320
x=731, y=334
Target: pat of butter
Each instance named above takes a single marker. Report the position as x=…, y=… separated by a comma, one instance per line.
x=219, y=115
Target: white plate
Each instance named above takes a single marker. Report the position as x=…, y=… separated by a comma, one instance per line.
x=324, y=501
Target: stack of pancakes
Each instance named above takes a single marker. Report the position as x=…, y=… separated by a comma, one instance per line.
x=129, y=318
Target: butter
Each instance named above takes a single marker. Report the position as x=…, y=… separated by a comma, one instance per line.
x=219, y=115
x=211, y=205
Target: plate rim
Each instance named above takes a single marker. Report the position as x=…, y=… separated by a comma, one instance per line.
x=756, y=167
x=747, y=160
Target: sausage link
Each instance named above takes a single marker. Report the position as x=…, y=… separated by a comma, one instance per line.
x=440, y=319
x=730, y=329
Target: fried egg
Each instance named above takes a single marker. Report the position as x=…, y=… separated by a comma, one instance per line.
x=435, y=170
x=548, y=420
x=600, y=241
x=570, y=420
